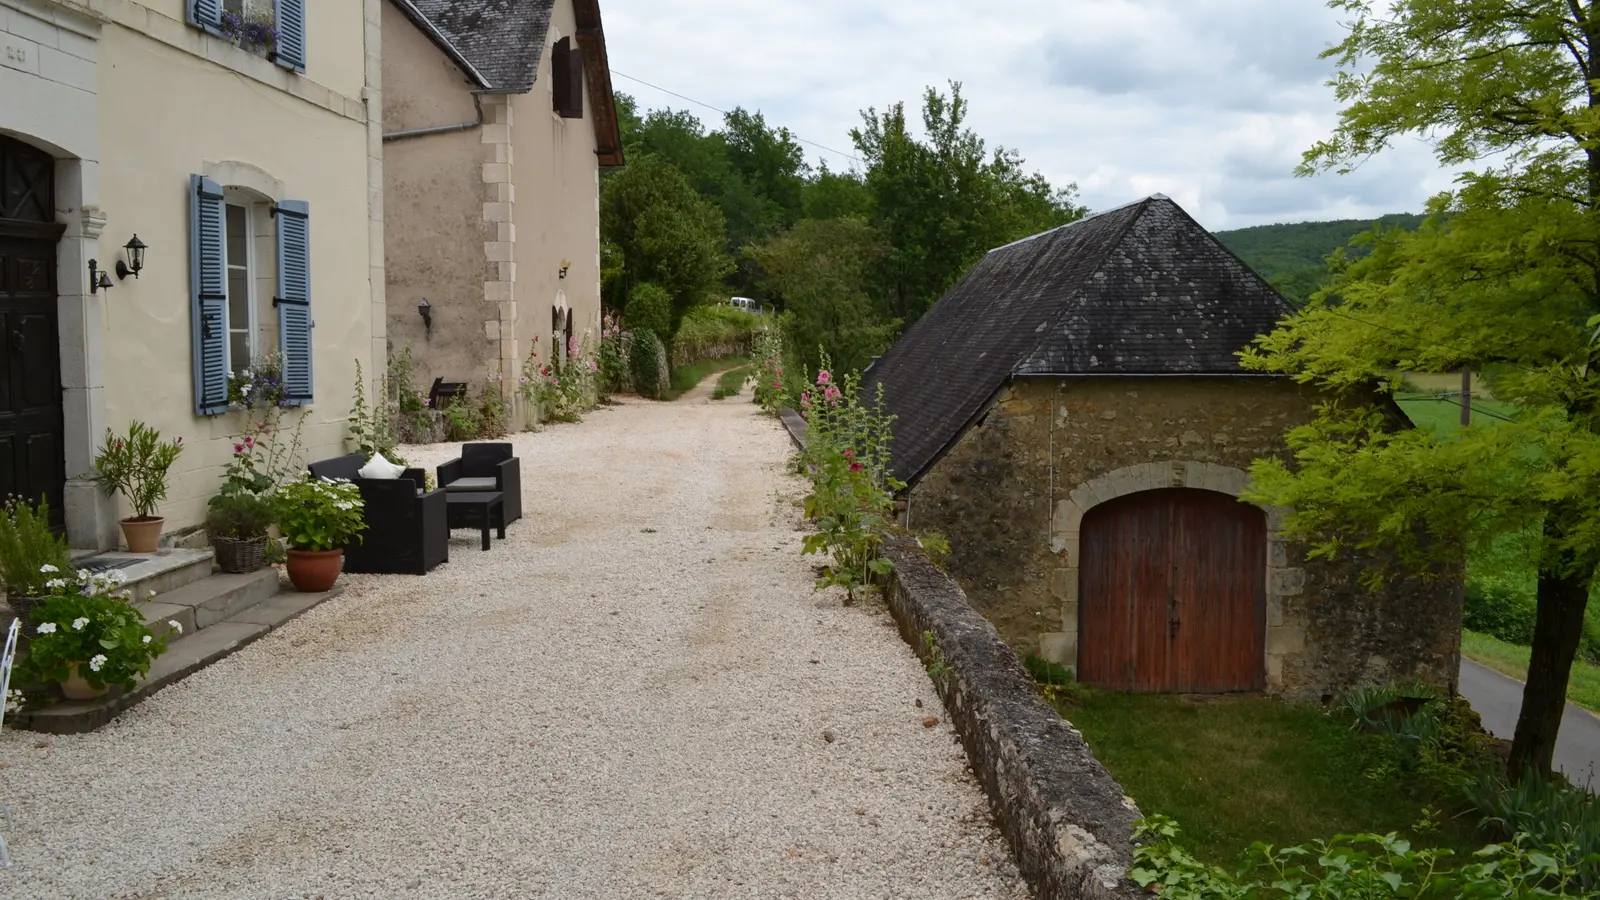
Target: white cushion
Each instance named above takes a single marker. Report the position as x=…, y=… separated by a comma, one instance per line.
x=380, y=468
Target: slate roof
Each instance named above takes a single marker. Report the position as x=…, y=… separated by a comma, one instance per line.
x=1142, y=289
x=500, y=41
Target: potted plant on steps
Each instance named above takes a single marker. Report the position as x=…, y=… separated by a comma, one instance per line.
x=87, y=637
x=29, y=553
x=135, y=465
x=318, y=517
x=237, y=524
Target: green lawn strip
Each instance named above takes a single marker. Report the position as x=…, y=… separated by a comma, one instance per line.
x=731, y=383
x=1443, y=417
x=686, y=378
x=1512, y=660
x=1236, y=770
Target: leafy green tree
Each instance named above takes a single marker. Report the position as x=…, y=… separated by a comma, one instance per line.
x=821, y=271
x=1505, y=273
x=649, y=307
x=940, y=203
x=835, y=195
x=667, y=234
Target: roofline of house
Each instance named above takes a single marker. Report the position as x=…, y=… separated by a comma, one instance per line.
x=443, y=43
x=592, y=39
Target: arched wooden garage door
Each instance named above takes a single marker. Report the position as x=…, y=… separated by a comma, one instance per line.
x=1172, y=593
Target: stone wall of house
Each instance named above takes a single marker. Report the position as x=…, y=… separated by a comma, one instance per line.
x=1011, y=494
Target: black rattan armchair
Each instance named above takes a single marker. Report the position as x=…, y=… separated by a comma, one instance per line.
x=486, y=466
x=407, y=531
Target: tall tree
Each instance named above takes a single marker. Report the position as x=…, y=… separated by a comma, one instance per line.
x=943, y=201
x=820, y=271
x=667, y=235
x=1505, y=273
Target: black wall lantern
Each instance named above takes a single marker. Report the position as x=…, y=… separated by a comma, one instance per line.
x=426, y=310
x=99, y=279
x=135, y=261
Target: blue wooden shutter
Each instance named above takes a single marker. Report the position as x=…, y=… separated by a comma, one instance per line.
x=208, y=288
x=205, y=13
x=294, y=299
x=291, y=44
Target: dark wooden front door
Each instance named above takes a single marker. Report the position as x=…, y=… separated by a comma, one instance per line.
x=1172, y=593
x=32, y=461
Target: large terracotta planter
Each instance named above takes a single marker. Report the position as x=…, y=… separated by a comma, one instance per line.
x=314, y=571
x=142, y=535
x=76, y=687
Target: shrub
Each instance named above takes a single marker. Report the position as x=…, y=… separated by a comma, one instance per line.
x=320, y=513
x=1557, y=818
x=238, y=516
x=1498, y=608
x=136, y=464
x=1348, y=867
x=714, y=332
x=649, y=307
x=83, y=625
x=28, y=546
x=644, y=363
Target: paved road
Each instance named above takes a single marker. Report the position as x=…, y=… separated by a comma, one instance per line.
x=1498, y=700
x=625, y=698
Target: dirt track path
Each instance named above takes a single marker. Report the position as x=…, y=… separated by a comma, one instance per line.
x=626, y=698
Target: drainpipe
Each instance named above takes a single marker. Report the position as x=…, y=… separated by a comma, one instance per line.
x=477, y=103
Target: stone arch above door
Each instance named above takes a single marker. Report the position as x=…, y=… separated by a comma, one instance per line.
x=1285, y=632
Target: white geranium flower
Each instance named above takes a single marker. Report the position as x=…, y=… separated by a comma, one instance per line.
x=98, y=662
x=56, y=583
x=175, y=626
x=85, y=574
x=146, y=639
x=48, y=568
x=46, y=628
x=79, y=623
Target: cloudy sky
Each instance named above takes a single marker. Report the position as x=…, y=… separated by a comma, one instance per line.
x=1208, y=101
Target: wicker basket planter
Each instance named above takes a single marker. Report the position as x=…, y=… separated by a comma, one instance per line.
x=241, y=556
x=23, y=607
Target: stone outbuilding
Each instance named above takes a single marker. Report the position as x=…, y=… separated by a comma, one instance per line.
x=1073, y=417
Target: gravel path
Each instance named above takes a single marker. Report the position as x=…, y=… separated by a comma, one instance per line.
x=626, y=698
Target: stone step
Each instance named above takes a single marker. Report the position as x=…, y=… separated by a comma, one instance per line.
x=204, y=603
x=165, y=570
x=185, y=655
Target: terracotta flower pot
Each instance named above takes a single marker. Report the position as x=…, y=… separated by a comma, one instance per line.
x=76, y=687
x=314, y=571
x=142, y=535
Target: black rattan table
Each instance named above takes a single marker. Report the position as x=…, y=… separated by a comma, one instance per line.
x=477, y=509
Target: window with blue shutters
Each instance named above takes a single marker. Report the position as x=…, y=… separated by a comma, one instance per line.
x=208, y=287
x=294, y=299
x=276, y=28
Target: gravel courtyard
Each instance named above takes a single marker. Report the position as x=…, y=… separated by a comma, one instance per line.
x=625, y=698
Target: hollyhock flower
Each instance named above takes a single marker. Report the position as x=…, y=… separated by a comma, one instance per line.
x=823, y=377
x=805, y=398
x=249, y=441
x=238, y=448
x=856, y=467
x=777, y=386
x=849, y=453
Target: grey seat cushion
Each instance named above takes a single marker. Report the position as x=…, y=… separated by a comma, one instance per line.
x=471, y=484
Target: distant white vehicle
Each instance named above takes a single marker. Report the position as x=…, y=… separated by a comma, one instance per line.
x=744, y=303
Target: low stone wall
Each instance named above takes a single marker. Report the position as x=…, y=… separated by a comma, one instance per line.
x=1069, y=822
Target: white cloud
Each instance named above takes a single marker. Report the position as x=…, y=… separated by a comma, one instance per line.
x=1208, y=101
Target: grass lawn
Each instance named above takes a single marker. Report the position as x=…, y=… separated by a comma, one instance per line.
x=686, y=378
x=1234, y=770
x=1512, y=660
x=1443, y=417
x=731, y=383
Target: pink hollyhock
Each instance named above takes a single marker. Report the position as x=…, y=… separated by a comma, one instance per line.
x=856, y=467
x=805, y=398
x=238, y=448
x=777, y=386
x=849, y=453
x=823, y=377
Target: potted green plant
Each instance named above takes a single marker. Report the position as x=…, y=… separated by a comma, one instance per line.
x=86, y=637
x=29, y=553
x=135, y=465
x=237, y=524
x=318, y=517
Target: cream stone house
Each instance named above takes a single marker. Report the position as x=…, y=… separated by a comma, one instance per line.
x=249, y=164
x=498, y=120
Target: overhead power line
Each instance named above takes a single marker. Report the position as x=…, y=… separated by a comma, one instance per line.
x=850, y=156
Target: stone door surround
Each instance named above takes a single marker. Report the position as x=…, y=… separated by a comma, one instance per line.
x=1285, y=633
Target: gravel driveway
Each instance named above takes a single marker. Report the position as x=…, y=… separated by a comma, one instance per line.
x=626, y=698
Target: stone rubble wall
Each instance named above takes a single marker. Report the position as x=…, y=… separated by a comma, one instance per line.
x=1069, y=822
